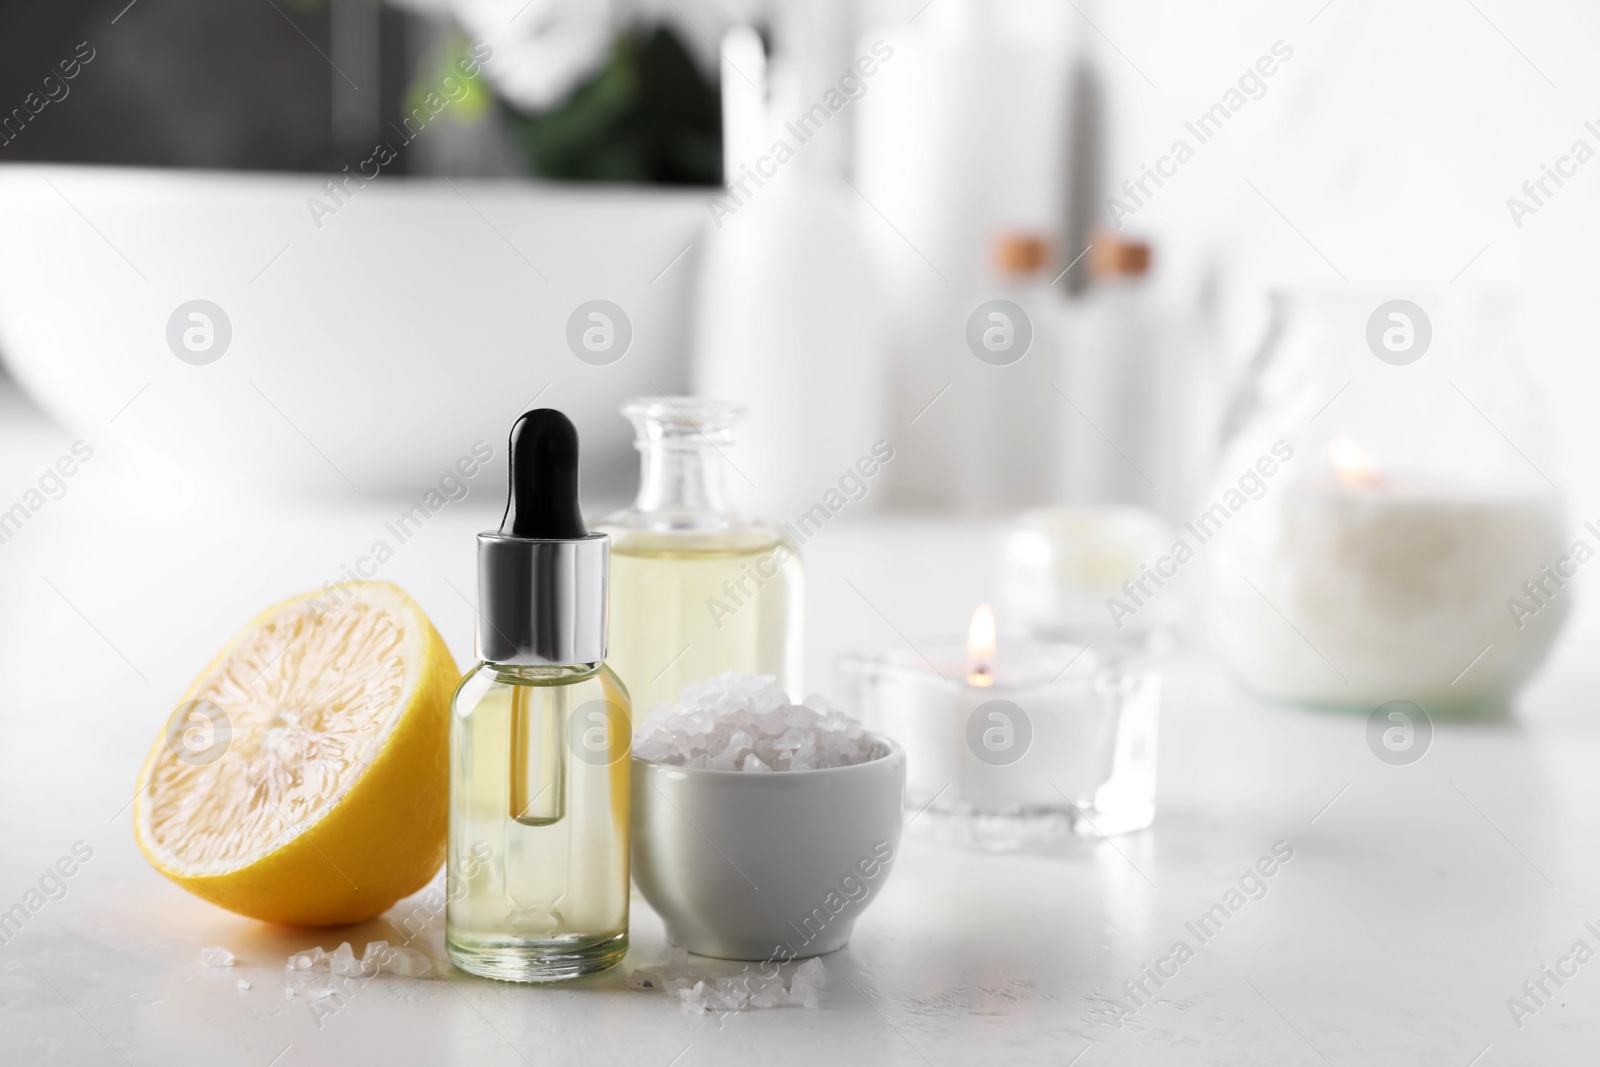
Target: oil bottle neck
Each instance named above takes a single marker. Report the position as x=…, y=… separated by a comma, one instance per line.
x=682, y=441
x=681, y=477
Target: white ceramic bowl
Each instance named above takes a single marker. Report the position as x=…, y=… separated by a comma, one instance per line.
x=374, y=344
x=766, y=866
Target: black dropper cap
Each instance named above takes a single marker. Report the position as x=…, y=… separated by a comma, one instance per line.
x=542, y=575
x=543, y=501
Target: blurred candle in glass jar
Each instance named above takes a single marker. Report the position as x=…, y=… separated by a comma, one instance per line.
x=1379, y=587
x=1406, y=500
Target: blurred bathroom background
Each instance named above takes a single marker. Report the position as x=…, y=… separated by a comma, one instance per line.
x=498, y=164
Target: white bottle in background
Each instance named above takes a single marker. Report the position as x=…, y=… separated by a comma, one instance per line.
x=787, y=319
x=1138, y=372
x=960, y=140
x=1113, y=380
x=1002, y=406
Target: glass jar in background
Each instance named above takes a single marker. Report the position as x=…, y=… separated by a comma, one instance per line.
x=1385, y=522
x=696, y=589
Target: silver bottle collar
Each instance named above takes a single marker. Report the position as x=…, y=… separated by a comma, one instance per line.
x=542, y=602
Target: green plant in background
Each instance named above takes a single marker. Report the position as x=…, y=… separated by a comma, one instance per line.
x=447, y=64
x=647, y=116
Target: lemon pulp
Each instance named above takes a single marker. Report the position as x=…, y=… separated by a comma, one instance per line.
x=327, y=801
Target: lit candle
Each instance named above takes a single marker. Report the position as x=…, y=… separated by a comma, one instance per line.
x=1024, y=730
x=1351, y=464
x=981, y=642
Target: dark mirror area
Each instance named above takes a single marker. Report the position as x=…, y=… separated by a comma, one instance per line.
x=316, y=85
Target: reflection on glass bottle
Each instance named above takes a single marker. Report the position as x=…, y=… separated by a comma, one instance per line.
x=695, y=588
x=540, y=734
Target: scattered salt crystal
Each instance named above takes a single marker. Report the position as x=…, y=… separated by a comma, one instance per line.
x=812, y=971
x=808, y=980
x=642, y=979
x=694, y=998
x=288, y=992
x=376, y=958
x=721, y=993
x=704, y=989
x=746, y=723
x=768, y=993
x=216, y=957
x=343, y=960
x=408, y=963
x=307, y=960
x=243, y=985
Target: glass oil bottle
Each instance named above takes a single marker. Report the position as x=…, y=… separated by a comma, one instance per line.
x=697, y=589
x=540, y=736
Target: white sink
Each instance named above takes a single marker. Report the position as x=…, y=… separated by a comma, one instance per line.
x=370, y=351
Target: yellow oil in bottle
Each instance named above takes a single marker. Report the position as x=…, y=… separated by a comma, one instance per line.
x=537, y=878
x=686, y=606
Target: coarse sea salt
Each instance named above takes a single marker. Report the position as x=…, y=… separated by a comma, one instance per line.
x=379, y=957
x=738, y=722
x=703, y=989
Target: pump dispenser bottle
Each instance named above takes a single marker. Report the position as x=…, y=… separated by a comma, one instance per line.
x=540, y=738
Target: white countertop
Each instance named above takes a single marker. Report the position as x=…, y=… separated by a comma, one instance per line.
x=1417, y=901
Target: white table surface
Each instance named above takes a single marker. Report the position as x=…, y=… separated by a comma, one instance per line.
x=1418, y=900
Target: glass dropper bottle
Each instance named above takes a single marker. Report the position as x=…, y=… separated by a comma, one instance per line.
x=540, y=735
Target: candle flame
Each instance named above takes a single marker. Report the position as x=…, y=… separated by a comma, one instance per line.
x=1352, y=464
x=980, y=647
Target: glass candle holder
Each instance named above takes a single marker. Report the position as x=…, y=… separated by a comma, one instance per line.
x=1387, y=522
x=1062, y=566
x=1042, y=741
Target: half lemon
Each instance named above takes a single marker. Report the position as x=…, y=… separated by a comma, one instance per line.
x=304, y=777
